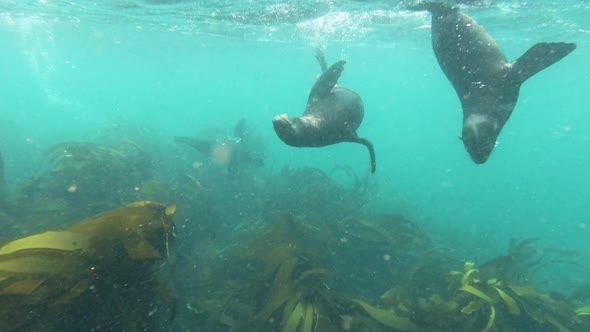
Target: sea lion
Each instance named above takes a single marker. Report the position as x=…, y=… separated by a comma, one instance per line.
x=231, y=151
x=332, y=115
x=486, y=83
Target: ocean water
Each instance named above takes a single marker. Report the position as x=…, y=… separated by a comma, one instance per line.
x=74, y=70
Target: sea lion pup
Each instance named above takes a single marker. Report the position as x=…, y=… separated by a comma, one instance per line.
x=233, y=151
x=486, y=83
x=332, y=115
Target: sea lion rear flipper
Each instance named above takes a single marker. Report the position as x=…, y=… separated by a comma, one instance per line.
x=369, y=146
x=319, y=55
x=539, y=57
x=326, y=82
x=203, y=146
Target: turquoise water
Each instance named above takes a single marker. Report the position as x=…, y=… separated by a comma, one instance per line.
x=73, y=70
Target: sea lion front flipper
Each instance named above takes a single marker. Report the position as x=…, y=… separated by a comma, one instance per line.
x=326, y=82
x=369, y=146
x=539, y=57
x=203, y=146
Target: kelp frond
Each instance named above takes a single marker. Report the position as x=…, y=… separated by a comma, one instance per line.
x=46, y=278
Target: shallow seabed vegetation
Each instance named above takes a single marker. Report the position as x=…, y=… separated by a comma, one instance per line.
x=293, y=251
x=100, y=274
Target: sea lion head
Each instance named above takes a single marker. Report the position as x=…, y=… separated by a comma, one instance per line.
x=289, y=129
x=479, y=136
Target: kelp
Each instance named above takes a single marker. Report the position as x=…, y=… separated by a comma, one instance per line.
x=386, y=246
x=311, y=193
x=81, y=179
x=304, y=275
x=99, y=274
x=297, y=299
x=490, y=297
x=293, y=277
x=288, y=285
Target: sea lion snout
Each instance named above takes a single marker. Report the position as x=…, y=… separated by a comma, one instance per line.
x=479, y=153
x=283, y=123
x=286, y=129
x=479, y=136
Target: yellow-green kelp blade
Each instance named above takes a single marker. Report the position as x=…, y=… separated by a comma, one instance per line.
x=510, y=303
x=388, y=317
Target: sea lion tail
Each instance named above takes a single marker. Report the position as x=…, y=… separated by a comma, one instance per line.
x=369, y=146
x=539, y=57
x=433, y=7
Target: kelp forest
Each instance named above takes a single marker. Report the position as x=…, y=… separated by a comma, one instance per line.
x=109, y=237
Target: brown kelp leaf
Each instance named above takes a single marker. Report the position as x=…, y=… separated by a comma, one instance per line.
x=525, y=291
x=309, y=319
x=393, y=293
x=583, y=311
x=67, y=254
x=311, y=272
x=510, y=302
x=491, y=319
x=289, y=307
x=556, y=323
x=474, y=291
x=74, y=291
x=24, y=286
x=38, y=262
x=388, y=317
x=296, y=317
x=472, y=307
x=61, y=240
x=47, y=279
x=278, y=297
x=467, y=277
x=142, y=250
x=141, y=227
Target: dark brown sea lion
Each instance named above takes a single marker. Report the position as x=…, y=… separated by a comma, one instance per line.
x=332, y=115
x=486, y=83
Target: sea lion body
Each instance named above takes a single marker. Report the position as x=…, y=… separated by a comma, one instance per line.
x=327, y=121
x=332, y=115
x=485, y=82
